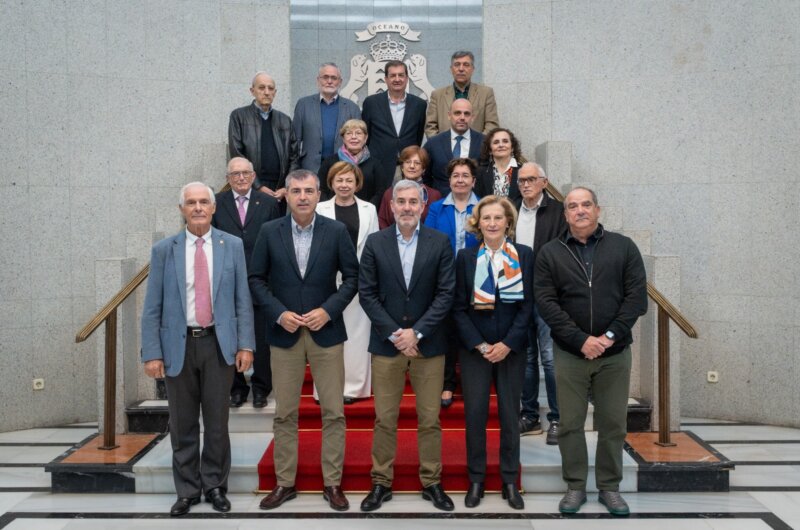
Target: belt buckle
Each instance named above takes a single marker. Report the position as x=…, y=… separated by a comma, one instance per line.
x=196, y=333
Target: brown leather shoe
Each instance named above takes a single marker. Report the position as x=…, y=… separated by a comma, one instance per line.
x=277, y=497
x=335, y=497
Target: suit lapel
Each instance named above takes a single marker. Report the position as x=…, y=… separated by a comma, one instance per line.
x=179, y=258
x=384, y=101
x=252, y=209
x=469, y=274
x=288, y=243
x=390, y=242
x=218, y=244
x=228, y=203
x=316, y=241
x=406, y=115
x=475, y=141
x=420, y=257
x=363, y=222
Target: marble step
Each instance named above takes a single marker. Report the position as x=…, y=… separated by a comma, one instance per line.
x=541, y=466
x=154, y=471
x=152, y=416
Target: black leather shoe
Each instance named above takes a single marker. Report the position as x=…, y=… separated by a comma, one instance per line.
x=183, y=505
x=218, y=500
x=511, y=494
x=277, y=497
x=376, y=497
x=237, y=400
x=446, y=402
x=438, y=497
x=259, y=400
x=474, y=495
x=347, y=400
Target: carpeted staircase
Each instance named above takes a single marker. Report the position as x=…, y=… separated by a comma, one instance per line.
x=360, y=421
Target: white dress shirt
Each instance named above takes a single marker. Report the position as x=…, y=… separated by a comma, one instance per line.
x=465, y=143
x=526, y=223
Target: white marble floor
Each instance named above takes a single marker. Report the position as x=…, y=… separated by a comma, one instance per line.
x=766, y=479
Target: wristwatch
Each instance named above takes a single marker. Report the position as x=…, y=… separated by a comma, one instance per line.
x=418, y=334
x=610, y=335
x=483, y=348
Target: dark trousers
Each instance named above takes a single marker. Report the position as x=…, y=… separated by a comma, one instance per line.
x=477, y=375
x=451, y=358
x=203, y=384
x=262, y=372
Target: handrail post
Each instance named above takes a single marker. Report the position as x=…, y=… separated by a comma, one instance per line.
x=110, y=384
x=663, y=379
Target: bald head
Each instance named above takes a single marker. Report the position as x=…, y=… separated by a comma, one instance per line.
x=263, y=90
x=460, y=115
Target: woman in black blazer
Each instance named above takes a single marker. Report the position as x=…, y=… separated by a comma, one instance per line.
x=499, y=164
x=492, y=309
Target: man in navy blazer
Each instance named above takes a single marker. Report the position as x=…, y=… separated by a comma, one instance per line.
x=197, y=323
x=257, y=208
x=406, y=284
x=395, y=119
x=459, y=141
x=293, y=278
x=318, y=118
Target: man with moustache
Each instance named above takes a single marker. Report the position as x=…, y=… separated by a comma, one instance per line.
x=263, y=135
x=395, y=119
x=241, y=211
x=591, y=288
x=406, y=284
x=195, y=341
x=319, y=117
x=293, y=277
x=460, y=140
x=484, y=107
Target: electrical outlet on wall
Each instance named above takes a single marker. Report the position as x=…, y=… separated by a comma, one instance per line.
x=712, y=377
x=38, y=384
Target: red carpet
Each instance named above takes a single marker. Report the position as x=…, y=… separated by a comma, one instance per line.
x=358, y=461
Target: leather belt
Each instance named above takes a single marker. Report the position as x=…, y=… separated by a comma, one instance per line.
x=200, y=332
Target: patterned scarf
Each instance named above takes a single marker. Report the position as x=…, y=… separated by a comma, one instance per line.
x=508, y=280
x=345, y=156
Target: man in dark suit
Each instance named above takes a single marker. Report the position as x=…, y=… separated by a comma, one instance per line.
x=293, y=278
x=319, y=117
x=395, y=119
x=540, y=220
x=406, y=284
x=241, y=211
x=456, y=142
x=264, y=136
x=195, y=339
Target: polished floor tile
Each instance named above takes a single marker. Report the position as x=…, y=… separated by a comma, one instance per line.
x=765, y=477
x=49, y=435
x=21, y=454
x=784, y=504
x=744, y=432
x=760, y=452
x=24, y=477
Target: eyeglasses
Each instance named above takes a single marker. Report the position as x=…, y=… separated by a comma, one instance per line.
x=328, y=77
x=529, y=180
x=240, y=174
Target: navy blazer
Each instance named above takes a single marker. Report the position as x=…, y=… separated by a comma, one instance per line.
x=507, y=323
x=426, y=302
x=261, y=208
x=441, y=153
x=277, y=285
x=384, y=142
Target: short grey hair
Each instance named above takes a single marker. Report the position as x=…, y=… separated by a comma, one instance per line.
x=260, y=72
x=334, y=65
x=238, y=159
x=462, y=53
x=405, y=184
x=591, y=192
x=182, y=198
x=539, y=168
x=301, y=174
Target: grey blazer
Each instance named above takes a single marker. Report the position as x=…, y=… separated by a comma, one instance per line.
x=307, y=125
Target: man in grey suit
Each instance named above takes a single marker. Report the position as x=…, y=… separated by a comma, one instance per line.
x=264, y=136
x=484, y=106
x=406, y=283
x=197, y=323
x=318, y=118
x=293, y=276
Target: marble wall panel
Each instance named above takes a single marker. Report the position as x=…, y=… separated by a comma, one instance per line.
x=86, y=38
x=127, y=33
x=45, y=35
x=14, y=128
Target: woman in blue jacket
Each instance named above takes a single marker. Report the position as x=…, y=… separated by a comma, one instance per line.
x=449, y=215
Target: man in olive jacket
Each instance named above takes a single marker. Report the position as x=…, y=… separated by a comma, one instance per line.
x=590, y=287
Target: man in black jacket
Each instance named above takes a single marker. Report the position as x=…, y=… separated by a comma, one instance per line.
x=264, y=136
x=541, y=219
x=591, y=288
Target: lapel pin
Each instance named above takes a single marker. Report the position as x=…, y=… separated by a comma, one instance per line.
x=221, y=242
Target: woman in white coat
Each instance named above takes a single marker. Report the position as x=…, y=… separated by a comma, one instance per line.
x=361, y=219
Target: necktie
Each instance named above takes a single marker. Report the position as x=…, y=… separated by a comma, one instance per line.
x=457, y=148
x=202, y=290
x=240, y=199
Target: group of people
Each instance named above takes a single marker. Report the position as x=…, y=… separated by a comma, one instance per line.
x=418, y=259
